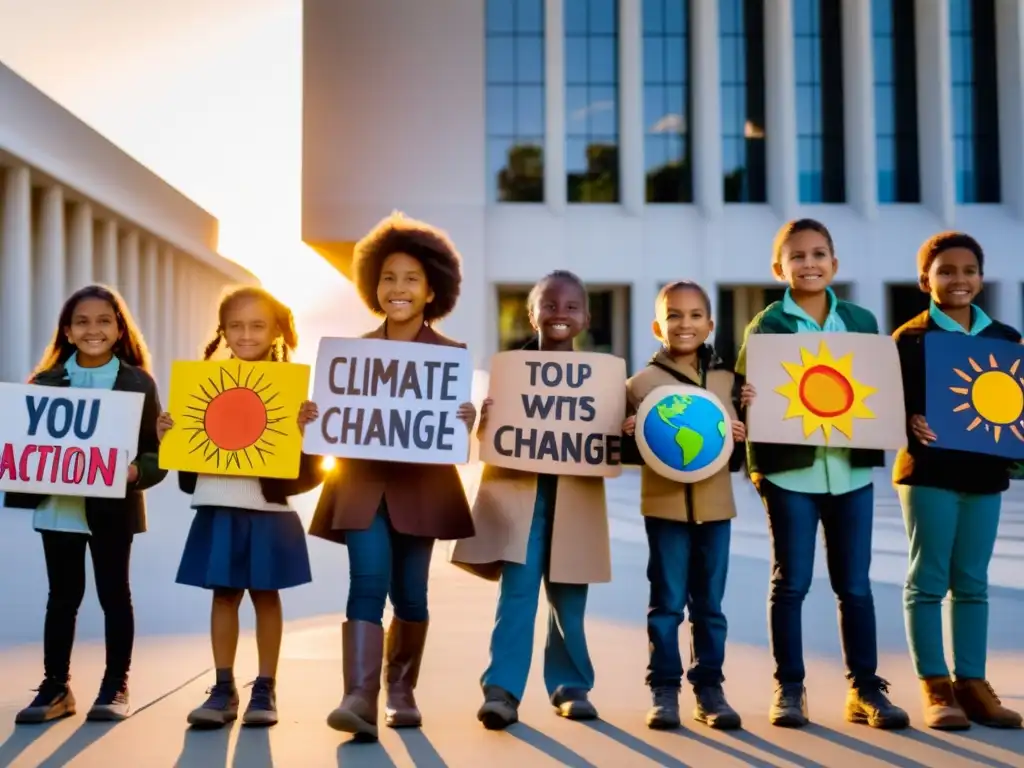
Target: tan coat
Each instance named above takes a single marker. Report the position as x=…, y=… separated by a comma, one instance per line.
x=703, y=502
x=503, y=512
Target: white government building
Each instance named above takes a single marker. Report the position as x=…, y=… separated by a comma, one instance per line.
x=75, y=209
x=641, y=141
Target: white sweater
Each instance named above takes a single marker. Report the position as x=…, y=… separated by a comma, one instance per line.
x=234, y=492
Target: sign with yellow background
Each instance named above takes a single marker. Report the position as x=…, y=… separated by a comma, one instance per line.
x=235, y=418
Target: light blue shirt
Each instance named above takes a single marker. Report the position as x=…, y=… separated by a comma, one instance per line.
x=831, y=471
x=979, y=320
x=67, y=513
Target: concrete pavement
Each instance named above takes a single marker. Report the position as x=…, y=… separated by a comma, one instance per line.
x=171, y=670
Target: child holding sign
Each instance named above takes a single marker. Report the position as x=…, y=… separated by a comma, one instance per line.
x=540, y=528
x=688, y=525
x=96, y=346
x=951, y=501
x=803, y=485
x=245, y=534
x=389, y=514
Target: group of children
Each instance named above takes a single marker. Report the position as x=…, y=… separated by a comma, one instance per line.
x=526, y=529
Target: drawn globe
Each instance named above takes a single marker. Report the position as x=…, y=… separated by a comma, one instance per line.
x=683, y=433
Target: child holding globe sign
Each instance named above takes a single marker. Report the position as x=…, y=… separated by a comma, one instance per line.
x=688, y=524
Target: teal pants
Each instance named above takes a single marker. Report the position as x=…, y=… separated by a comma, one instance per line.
x=952, y=536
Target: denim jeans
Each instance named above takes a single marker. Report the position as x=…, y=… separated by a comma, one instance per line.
x=793, y=526
x=383, y=563
x=952, y=536
x=566, y=657
x=687, y=569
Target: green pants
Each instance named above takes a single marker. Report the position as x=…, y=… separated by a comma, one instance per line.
x=952, y=536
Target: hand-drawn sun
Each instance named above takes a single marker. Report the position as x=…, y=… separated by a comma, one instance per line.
x=995, y=395
x=824, y=392
x=235, y=419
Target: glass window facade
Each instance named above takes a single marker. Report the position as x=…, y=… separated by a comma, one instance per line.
x=821, y=165
x=741, y=68
x=668, y=160
x=895, y=54
x=972, y=33
x=592, y=101
x=515, y=100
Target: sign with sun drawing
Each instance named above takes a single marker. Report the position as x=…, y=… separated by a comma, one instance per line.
x=974, y=394
x=235, y=418
x=843, y=390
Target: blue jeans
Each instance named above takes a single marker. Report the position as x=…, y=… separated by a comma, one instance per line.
x=687, y=568
x=793, y=526
x=383, y=562
x=952, y=536
x=566, y=658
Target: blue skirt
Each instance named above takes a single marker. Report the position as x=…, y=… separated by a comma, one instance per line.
x=244, y=549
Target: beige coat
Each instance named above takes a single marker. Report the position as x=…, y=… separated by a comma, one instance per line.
x=703, y=502
x=503, y=513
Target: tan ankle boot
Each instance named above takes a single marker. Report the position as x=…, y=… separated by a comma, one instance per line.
x=941, y=710
x=403, y=649
x=982, y=706
x=362, y=652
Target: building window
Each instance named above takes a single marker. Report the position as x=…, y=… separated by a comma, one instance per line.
x=741, y=57
x=817, y=29
x=895, y=54
x=667, y=149
x=972, y=33
x=592, y=100
x=515, y=101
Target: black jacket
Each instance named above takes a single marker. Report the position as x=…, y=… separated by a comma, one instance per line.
x=115, y=515
x=919, y=464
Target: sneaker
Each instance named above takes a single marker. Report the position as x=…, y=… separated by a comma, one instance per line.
x=262, y=709
x=573, y=704
x=499, y=710
x=714, y=711
x=868, y=703
x=53, y=700
x=664, y=712
x=111, y=703
x=219, y=709
x=789, y=709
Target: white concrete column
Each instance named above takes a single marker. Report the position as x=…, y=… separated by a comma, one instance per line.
x=871, y=294
x=1009, y=302
x=633, y=186
x=181, y=309
x=128, y=272
x=555, y=187
x=641, y=301
x=705, y=117
x=15, y=275
x=107, y=254
x=148, y=295
x=48, y=273
x=780, y=107
x=167, y=337
x=1010, y=76
x=80, y=247
x=859, y=108
x=935, y=105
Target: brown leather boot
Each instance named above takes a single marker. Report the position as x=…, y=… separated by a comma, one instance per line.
x=982, y=706
x=403, y=649
x=362, y=646
x=941, y=710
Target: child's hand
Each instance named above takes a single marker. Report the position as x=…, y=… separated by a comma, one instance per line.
x=133, y=473
x=467, y=415
x=747, y=394
x=739, y=431
x=308, y=413
x=164, y=424
x=629, y=425
x=485, y=408
x=921, y=430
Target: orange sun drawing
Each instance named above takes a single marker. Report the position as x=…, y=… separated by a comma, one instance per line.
x=234, y=420
x=994, y=395
x=824, y=392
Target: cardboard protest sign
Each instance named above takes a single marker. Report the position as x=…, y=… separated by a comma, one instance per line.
x=558, y=413
x=67, y=442
x=974, y=394
x=390, y=401
x=843, y=390
x=235, y=418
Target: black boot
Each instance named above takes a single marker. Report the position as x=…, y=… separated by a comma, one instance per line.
x=573, y=704
x=868, y=703
x=789, y=709
x=713, y=710
x=664, y=712
x=499, y=710
x=53, y=700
